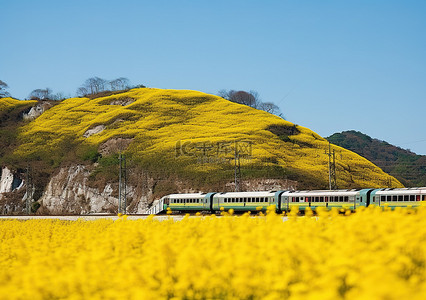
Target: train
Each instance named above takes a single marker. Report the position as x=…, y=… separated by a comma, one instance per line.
x=286, y=200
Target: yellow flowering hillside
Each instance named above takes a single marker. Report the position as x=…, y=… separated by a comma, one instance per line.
x=9, y=104
x=172, y=131
x=372, y=254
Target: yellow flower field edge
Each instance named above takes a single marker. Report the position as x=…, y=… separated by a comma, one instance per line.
x=370, y=254
x=155, y=121
x=8, y=104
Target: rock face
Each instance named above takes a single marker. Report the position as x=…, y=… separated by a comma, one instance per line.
x=37, y=110
x=94, y=130
x=9, y=181
x=6, y=181
x=69, y=192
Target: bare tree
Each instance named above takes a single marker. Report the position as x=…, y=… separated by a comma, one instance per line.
x=118, y=84
x=269, y=107
x=3, y=87
x=41, y=94
x=224, y=94
x=243, y=97
x=251, y=99
x=82, y=91
x=59, y=96
x=93, y=86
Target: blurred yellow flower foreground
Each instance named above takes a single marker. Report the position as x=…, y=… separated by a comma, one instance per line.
x=368, y=255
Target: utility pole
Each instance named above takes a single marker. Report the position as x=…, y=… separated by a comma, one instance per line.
x=122, y=183
x=332, y=181
x=237, y=168
x=29, y=191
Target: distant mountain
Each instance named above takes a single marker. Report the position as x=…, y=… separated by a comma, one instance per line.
x=406, y=166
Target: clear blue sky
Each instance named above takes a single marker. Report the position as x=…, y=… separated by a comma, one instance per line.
x=329, y=65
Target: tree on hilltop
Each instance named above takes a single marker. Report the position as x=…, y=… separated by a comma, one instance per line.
x=3, y=87
x=41, y=94
x=95, y=85
x=118, y=84
x=251, y=99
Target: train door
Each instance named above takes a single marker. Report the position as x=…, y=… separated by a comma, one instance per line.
x=285, y=204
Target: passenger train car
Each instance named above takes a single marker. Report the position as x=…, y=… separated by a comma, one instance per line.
x=287, y=200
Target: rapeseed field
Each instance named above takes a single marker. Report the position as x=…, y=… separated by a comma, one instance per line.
x=370, y=254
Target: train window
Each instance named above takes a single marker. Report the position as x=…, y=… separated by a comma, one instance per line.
x=321, y=199
x=241, y=199
x=406, y=198
x=245, y=199
x=424, y=197
x=389, y=198
x=257, y=199
x=400, y=198
x=417, y=197
x=346, y=199
x=394, y=198
x=412, y=198
x=383, y=198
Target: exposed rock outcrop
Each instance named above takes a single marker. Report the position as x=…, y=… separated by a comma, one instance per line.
x=9, y=181
x=36, y=110
x=69, y=192
x=94, y=130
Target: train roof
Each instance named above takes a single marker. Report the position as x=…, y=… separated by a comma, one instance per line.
x=246, y=194
x=323, y=192
x=403, y=191
x=187, y=196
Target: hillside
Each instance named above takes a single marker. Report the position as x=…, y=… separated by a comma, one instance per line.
x=11, y=111
x=407, y=166
x=175, y=140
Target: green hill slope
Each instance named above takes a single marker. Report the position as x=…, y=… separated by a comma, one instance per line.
x=408, y=167
x=186, y=135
